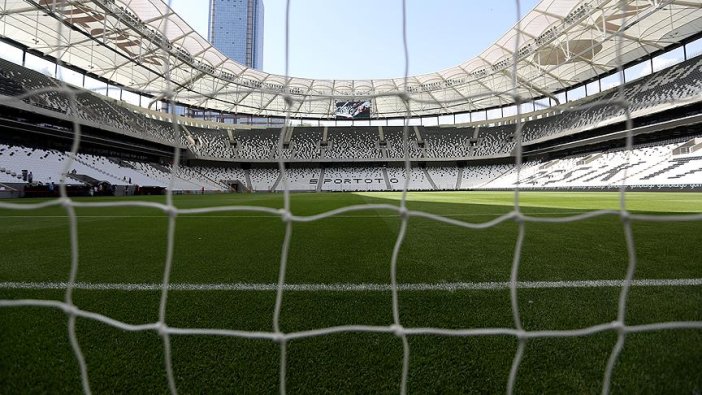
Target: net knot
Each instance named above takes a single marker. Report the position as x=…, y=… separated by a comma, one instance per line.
x=168, y=93
x=65, y=202
x=403, y=96
x=285, y=215
x=619, y=327
x=625, y=216
x=397, y=329
x=171, y=211
x=162, y=328
x=70, y=309
x=622, y=104
x=521, y=335
x=278, y=337
x=404, y=213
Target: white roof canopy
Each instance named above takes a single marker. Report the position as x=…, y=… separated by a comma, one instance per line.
x=134, y=42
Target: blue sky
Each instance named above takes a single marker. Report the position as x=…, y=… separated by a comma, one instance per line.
x=363, y=38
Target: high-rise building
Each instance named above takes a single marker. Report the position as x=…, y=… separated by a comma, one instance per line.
x=235, y=28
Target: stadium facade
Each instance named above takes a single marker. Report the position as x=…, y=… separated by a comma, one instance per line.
x=117, y=97
x=465, y=129
x=235, y=28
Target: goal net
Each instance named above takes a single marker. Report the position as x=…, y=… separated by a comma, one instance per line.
x=412, y=97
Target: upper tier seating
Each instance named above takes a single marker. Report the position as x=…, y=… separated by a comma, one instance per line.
x=257, y=144
x=394, y=141
x=305, y=143
x=351, y=143
x=447, y=142
x=676, y=85
x=212, y=143
x=680, y=83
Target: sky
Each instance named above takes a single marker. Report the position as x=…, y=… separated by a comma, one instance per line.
x=362, y=39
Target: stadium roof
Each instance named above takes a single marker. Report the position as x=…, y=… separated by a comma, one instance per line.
x=560, y=43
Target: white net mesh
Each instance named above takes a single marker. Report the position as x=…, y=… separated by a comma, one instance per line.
x=276, y=334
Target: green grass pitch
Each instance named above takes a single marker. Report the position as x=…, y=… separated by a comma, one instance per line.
x=127, y=245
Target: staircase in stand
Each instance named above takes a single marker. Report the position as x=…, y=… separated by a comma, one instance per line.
x=459, y=179
x=387, y=179
x=321, y=180
x=426, y=173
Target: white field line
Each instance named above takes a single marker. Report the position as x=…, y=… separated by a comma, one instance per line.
x=343, y=287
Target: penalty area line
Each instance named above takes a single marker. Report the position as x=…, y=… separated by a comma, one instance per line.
x=344, y=287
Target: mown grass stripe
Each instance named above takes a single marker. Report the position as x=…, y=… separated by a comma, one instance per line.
x=185, y=215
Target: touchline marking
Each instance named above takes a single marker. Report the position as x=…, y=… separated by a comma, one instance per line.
x=342, y=287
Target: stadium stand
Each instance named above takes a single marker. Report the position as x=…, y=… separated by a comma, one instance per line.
x=648, y=166
x=445, y=177
x=475, y=176
x=447, y=142
x=47, y=166
x=257, y=144
x=418, y=179
x=264, y=179
x=393, y=138
x=222, y=175
x=352, y=143
x=306, y=143
x=16, y=80
x=186, y=179
x=670, y=164
x=675, y=86
x=353, y=179
x=301, y=179
x=495, y=140
x=213, y=143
